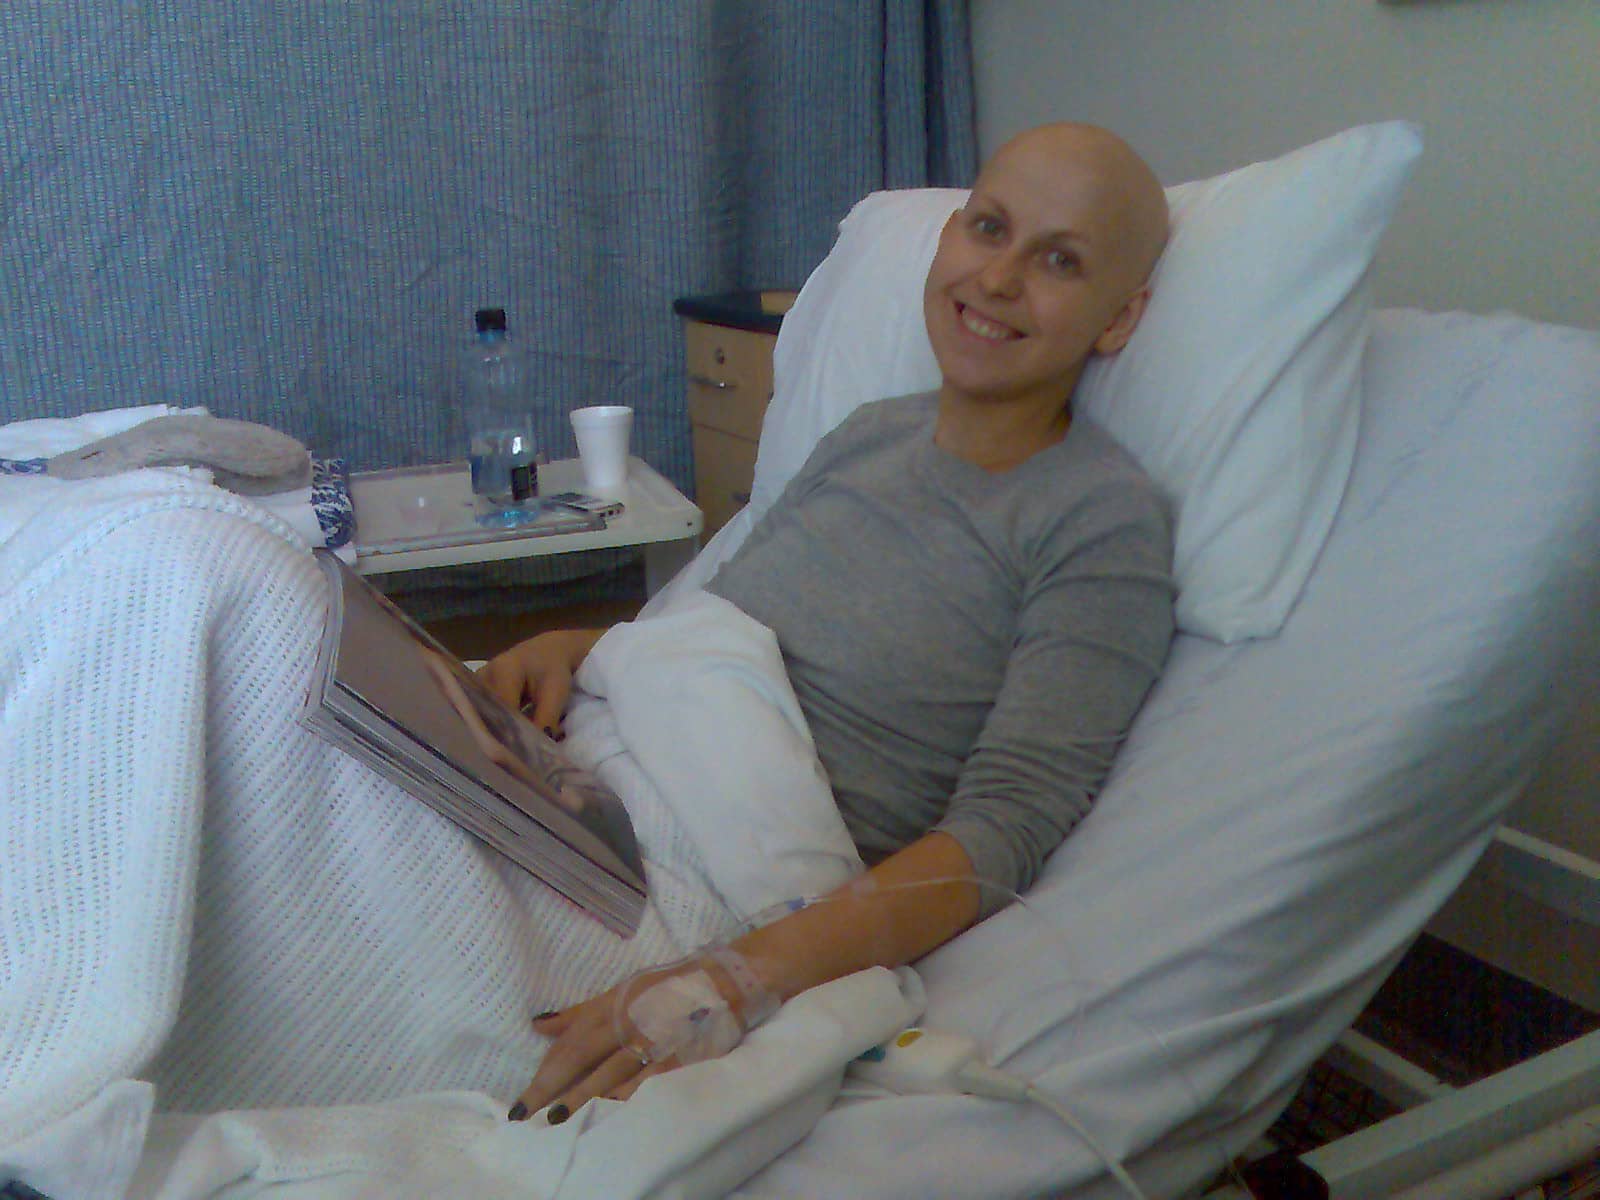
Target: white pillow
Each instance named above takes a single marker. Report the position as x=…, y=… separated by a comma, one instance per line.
x=1239, y=393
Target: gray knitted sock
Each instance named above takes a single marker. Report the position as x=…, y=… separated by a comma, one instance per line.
x=244, y=457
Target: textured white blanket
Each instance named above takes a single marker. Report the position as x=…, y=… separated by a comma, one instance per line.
x=201, y=895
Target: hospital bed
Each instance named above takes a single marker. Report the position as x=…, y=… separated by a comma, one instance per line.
x=1291, y=809
x=1330, y=749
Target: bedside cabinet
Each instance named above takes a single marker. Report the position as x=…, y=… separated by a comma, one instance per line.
x=728, y=341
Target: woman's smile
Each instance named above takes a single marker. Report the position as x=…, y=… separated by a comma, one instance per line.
x=984, y=327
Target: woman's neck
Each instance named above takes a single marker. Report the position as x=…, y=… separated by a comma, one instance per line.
x=998, y=435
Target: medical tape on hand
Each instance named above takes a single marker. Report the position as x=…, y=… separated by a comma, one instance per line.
x=759, y=1004
x=686, y=1016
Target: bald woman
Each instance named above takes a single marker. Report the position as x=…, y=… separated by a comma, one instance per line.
x=971, y=590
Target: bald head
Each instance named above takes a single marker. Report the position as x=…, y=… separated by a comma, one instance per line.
x=1046, y=265
x=1116, y=182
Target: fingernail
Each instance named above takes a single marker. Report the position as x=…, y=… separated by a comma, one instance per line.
x=547, y=1014
x=519, y=1112
x=558, y=1113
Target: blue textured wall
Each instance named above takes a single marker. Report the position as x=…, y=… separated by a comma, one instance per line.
x=288, y=212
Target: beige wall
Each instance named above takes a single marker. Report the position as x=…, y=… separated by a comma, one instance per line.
x=1504, y=212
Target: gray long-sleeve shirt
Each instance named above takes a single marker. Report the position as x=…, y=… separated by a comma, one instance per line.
x=968, y=647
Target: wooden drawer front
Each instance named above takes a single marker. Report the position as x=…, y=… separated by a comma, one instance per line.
x=730, y=377
x=724, y=465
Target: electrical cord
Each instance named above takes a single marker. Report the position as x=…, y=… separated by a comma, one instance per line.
x=926, y=1061
x=1112, y=1164
x=921, y=1060
x=951, y=1062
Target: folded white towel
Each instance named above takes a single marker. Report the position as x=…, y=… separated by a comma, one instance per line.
x=23, y=496
x=49, y=436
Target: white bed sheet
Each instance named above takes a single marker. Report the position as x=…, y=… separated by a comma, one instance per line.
x=1287, y=813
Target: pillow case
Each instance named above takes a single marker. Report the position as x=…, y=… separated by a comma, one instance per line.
x=1239, y=392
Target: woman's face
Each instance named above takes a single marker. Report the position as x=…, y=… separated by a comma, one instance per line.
x=1030, y=277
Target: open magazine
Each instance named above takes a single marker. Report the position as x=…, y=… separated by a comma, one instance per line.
x=386, y=692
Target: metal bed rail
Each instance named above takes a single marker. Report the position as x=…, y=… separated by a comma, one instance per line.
x=1492, y=1138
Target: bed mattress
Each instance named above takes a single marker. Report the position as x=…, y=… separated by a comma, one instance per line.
x=1287, y=813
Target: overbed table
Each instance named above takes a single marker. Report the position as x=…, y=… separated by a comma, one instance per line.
x=410, y=518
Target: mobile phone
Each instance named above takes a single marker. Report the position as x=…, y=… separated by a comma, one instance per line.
x=585, y=503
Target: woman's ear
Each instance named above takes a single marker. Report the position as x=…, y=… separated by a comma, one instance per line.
x=1115, y=335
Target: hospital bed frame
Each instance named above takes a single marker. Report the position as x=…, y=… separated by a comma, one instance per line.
x=1491, y=1139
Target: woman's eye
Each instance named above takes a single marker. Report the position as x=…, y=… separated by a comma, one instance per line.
x=1061, y=261
x=986, y=227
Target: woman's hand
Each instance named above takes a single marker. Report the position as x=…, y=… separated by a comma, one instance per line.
x=914, y=900
x=647, y=1025
x=539, y=672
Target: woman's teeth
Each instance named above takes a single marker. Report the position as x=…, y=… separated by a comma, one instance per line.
x=991, y=331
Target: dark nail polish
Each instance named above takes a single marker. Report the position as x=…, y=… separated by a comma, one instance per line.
x=547, y=1014
x=519, y=1112
x=558, y=1113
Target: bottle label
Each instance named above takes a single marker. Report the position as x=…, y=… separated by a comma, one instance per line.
x=524, y=481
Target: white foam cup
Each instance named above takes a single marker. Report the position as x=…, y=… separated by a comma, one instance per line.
x=603, y=432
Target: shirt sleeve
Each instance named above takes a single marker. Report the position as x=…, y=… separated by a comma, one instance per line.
x=1092, y=634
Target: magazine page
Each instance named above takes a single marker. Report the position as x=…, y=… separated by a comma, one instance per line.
x=397, y=698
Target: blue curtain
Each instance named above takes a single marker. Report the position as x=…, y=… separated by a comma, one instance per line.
x=288, y=212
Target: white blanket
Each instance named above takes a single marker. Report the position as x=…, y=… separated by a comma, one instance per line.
x=207, y=907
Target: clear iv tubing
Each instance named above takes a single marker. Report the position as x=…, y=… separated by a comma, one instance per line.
x=861, y=887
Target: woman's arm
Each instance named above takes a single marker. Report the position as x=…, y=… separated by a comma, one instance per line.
x=909, y=904
x=912, y=902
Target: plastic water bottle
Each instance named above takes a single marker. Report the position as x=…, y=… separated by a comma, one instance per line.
x=501, y=449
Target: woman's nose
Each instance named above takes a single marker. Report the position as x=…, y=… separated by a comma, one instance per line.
x=1001, y=275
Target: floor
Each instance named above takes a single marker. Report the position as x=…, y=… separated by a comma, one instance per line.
x=1463, y=1019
